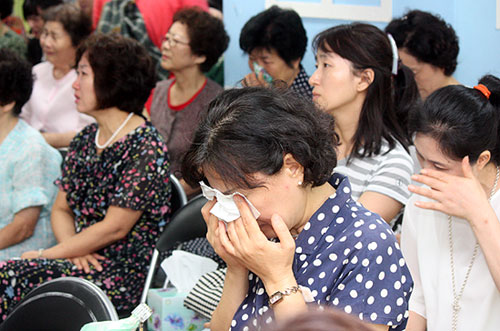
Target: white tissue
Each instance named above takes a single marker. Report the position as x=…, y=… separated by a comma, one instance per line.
x=225, y=208
x=184, y=269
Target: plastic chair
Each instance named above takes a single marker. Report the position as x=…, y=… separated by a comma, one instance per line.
x=64, y=304
x=186, y=224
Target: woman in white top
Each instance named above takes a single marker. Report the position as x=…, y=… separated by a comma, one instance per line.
x=360, y=81
x=451, y=225
x=52, y=108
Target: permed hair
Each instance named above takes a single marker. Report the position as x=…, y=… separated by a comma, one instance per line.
x=16, y=80
x=206, y=34
x=428, y=38
x=249, y=130
x=275, y=28
x=124, y=72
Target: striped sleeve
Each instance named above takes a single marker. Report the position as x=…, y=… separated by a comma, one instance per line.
x=206, y=294
x=393, y=175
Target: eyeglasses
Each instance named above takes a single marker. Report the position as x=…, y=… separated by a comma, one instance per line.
x=171, y=41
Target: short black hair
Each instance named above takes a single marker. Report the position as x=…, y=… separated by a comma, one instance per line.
x=249, y=130
x=16, y=80
x=462, y=120
x=73, y=20
x=207, y=36
x=6, y=8
x=31, y=7
x=275, y=28
x=428, y=38
x=124, y=72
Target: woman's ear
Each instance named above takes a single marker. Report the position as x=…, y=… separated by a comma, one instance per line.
x=483, y=159
x=199, y=59
x=8, y=107
x=367, y=76
x=296, y=63
x=293, y=168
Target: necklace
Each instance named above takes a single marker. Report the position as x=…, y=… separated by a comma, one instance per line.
x=457, y=297
x=113, y=135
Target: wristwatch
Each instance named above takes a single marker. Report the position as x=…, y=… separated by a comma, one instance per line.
x=277, y=296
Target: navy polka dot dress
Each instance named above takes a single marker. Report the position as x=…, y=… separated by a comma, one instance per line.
x=349, y=258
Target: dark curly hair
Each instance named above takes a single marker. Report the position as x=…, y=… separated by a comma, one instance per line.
x=275, y=28
x=32, y=7
x=124, y=72
x=206, y=34
x=462, y=120
x=16, y=80
x=249, y=130
x=73, y=20
x=428, y=38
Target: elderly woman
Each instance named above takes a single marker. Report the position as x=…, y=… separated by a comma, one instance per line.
x=429, y=47
x=451, y=225
x=293, y=233
x=113, y=194
x=276, y=41
x=191, y=47
x=52, y=108
x=28, y=168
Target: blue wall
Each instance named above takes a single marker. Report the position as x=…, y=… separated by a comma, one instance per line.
x=474, y=22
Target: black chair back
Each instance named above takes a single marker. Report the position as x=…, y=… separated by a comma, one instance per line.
x=65, y=303
x=186, y=224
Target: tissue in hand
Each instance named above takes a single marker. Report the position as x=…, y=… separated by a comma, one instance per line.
x=225, y=208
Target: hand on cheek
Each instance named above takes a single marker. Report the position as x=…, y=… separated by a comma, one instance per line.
x=271, y=261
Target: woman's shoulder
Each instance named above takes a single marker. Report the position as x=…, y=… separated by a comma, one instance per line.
x=31, y=143
x=42, y=67
x=148, y=137
x=395, y=155
x=163, y=85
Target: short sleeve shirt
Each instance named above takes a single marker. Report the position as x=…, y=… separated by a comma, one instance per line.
x=133, y=173
x=349, y=258
x=28, y=169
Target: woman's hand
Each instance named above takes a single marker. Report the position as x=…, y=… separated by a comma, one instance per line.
x=271, y=261
x=462, y=197
x=30, y=255
x=84, y=262
x=252, y=80
x=215, y=229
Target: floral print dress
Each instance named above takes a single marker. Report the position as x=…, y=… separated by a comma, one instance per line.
x=131, y=173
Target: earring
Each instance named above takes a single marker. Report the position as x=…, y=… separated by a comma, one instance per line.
x=299, y=183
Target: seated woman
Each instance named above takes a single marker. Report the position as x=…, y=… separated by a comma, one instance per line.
x=113, y=194
x=52, y=108
x=451, y=226
x=276, y=41
x=28, y=168
x=428, y=46
x=359, y=81
x=299, y=231
x=191, y=47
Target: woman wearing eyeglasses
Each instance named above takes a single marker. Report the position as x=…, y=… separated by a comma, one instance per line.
x=191, y=47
